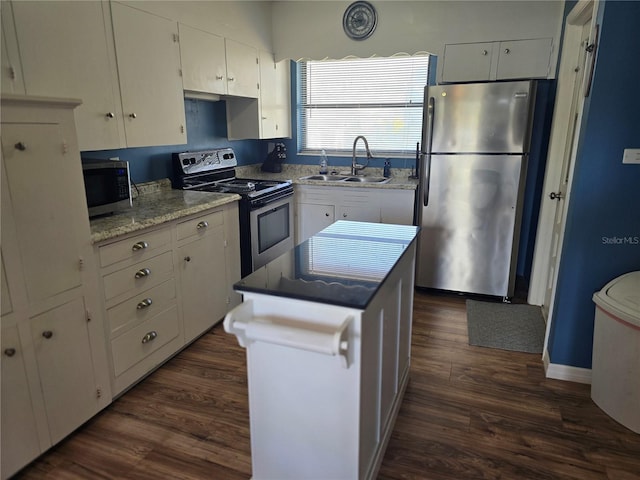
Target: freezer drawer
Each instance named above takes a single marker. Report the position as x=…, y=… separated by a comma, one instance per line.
x=470, y=225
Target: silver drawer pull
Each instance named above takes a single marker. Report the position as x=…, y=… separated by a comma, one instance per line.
x=143, y=272
x=149, y=336
x=202, y=224
x=144, y=304
x=9, y=352
x=139, y=246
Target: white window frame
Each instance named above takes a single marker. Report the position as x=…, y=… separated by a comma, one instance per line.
x=344, y=108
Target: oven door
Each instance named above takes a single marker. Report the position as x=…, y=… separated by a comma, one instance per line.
x=271, y=231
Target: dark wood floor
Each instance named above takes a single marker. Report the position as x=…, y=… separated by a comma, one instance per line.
x=468, y=413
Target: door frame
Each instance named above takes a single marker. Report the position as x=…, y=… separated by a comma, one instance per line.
x=561, y=137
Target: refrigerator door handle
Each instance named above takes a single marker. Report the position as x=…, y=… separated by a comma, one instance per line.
x=426, y=157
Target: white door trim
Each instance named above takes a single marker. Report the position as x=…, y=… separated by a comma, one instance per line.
x=560, y=136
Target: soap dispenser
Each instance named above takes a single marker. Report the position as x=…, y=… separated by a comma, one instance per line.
x=324, y=163
x=387, y=169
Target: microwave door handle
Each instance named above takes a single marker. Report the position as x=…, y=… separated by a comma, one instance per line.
x=425, y=157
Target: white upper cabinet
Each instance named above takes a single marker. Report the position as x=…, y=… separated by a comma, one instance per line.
x=204, y=68
x=148, y=58
x=474, y=62
x=11, y=77
x=64, y=49
x=524, y=59
x=467, y=62
x=243, y=73
x=274, y=97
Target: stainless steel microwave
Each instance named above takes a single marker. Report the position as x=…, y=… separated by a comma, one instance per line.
x=108, y=186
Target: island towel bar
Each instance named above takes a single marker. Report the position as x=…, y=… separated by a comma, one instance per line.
x=288, y=332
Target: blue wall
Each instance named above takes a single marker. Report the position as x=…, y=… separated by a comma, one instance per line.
x=206, y=128
x=605, y=195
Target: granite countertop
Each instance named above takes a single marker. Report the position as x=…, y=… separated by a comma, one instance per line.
x=399, y=176
x=344, y=264
x=155, y=204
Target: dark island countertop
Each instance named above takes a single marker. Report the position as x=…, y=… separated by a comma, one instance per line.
x=344, y=264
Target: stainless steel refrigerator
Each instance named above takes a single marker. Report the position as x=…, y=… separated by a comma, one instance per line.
x=473, y=161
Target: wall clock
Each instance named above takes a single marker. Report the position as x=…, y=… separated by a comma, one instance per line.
x=359, y=20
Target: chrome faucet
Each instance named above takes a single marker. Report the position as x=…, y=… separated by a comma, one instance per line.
x=354, y=164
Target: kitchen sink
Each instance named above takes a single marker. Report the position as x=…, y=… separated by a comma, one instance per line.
x=343, y=178
x=325, y=178
x=367, y=179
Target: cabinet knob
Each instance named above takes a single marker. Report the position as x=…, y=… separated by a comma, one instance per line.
x=146, y=303
x=47, y=334
x=110, y=115
x=133, y=115
x=326, y=214
x=507, y=51
x=219, y=77
x=202, y=224
x=187, y=258
x=143, y=272
x=139, y=246
x=9, y=352
x=484, y=52
x=230, y=79
x=20, y=146
x=149, y=336
x=344, y=215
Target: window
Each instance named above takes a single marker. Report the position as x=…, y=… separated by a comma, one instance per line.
x=380, y=98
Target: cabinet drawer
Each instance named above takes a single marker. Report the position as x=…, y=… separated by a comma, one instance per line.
x=141, y=307
x=134, y=248
x=139, y=277
x=141, y=341
x=200, y=225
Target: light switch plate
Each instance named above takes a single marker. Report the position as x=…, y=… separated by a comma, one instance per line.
x=631, y=155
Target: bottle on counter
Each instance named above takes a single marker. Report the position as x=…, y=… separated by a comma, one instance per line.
x=387, y=169
x=324, y=163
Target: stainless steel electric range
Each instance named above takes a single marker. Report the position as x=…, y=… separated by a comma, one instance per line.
x=265, y=209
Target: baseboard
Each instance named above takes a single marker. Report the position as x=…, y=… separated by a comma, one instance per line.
x=565, y=372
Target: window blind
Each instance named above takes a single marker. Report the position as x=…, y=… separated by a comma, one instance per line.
x=380, y=98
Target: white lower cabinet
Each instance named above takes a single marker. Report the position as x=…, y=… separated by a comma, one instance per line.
x=164, y=287
x=203, y=291
x=20, y=440
x=54, y=361
x=326, y=381
x=318, y=207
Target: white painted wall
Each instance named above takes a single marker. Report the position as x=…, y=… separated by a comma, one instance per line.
x=313, y=29
x=244, y=21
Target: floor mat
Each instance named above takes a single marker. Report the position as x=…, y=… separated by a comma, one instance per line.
x=515, y=327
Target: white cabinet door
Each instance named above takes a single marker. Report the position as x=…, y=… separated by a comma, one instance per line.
x=203, y=275
x=274, y=97
x=20, y=442
x=359, y=214
x=11, y=76
x=148, y=57
x=466, y=62
x=65, y=52
x=203, y=59
x=63, y=352
x=312, y=218
x=475, y=62
x=524, y=59
x=45, y=211
x=397, y=206
x=243, y=74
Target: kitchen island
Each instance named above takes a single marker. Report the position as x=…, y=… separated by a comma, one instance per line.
x=327, y=328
